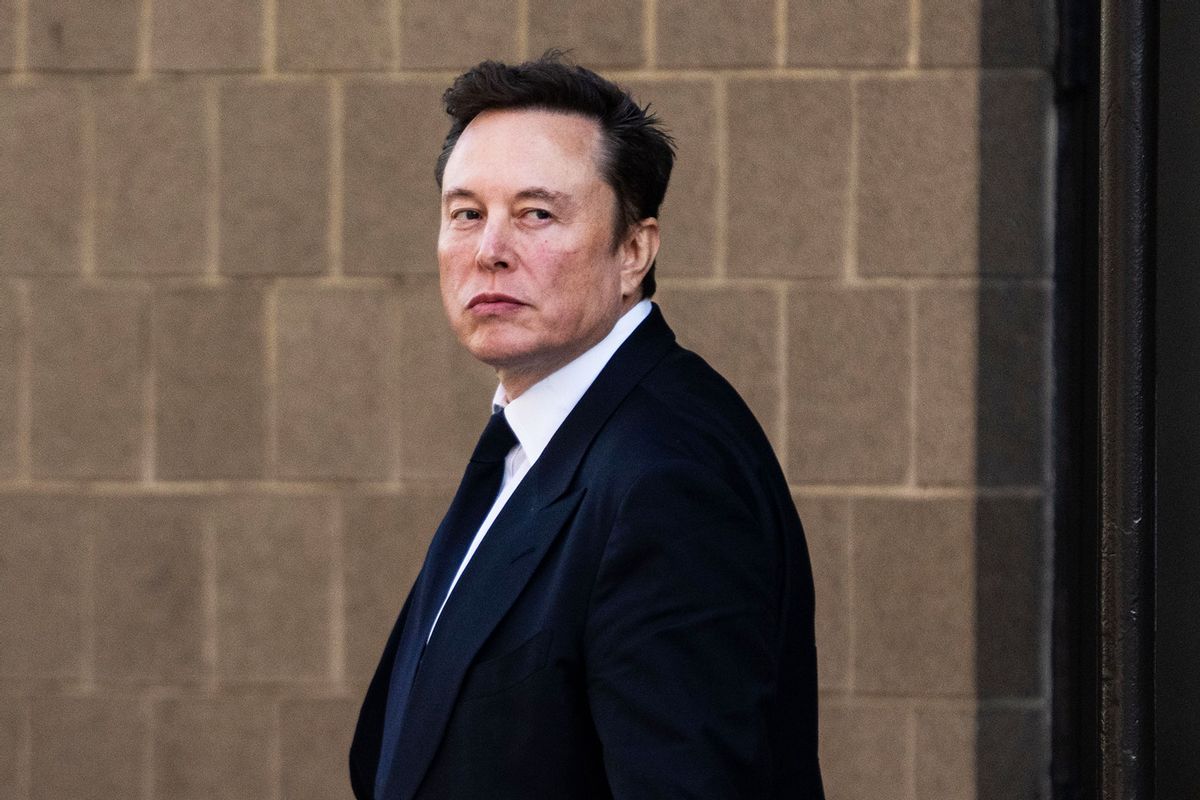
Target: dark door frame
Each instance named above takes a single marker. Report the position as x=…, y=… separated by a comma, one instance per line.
x=1074, y=629
x=1103, y=658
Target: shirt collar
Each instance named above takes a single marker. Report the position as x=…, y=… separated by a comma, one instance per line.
x=536, y=415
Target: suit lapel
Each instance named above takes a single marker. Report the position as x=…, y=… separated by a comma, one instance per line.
x=537, y=512
x=497, y=573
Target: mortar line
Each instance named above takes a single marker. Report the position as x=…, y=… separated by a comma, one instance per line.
x=337, y=595
x=781, y=348
x=851, y=600
x=337, y=156
x=440, y=77
x=850, y=267
x=148, y=708
x=914, y=34
x=522, y=42
x=318, y=281
x=911, y=752
x=88, y=611
x=723, y=282
x=25, y=383
x=299, y=73
x=1047, y=633
x=87, y=227
x=271, y=378
x=912, y=386
x=403, y=76
x=305, y=488
x=212, y=211
x=650, y=33
x=265, y=687
x=1035, y=704
x=721, y=143
x=902, y=491
x=1046, y=720
x=394, y=9
x=781, y=33
x=395, y=430
x=193, y=280
x=900, y=701
x=883, y=72
x=216, y=488
x=276, y=749
x=1048, y=508
x=836, y=282
x=145, y=38
x=149, y=397
x=899, y=281
x=209, y=600
x=25, y=752
x=21, y=39
x=1049, y=188
x=270, y=34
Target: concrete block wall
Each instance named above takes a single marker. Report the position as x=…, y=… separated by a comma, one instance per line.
x=231, y=413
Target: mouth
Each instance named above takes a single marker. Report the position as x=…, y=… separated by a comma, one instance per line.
x=493, y=303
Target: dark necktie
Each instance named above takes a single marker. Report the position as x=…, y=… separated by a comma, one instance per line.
x=474, y=498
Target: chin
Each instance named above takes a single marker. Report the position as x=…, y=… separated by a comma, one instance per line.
x=497, y=349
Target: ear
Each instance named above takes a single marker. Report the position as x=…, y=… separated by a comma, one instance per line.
x=638, y=251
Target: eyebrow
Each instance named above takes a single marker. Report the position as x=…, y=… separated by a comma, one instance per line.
x=532, y=193
x=539, y=193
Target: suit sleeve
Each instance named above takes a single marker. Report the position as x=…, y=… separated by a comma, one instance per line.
x=680, y=642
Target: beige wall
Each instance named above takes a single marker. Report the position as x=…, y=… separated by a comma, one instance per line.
x=231, y=415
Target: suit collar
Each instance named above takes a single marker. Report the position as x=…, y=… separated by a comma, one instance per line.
x=533, y=518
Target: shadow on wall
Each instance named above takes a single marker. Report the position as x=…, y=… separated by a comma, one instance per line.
x=1013, y=374
x=956, y=192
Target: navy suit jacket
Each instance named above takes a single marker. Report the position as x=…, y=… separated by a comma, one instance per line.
x=638, y=621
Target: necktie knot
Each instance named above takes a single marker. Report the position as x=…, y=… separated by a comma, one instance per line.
x=495, y=441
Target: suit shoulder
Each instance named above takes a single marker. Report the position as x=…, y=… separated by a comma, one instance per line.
x=687, y=406
x=682, y=411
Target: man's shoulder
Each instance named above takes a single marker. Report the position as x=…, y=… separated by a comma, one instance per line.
x=683, y=410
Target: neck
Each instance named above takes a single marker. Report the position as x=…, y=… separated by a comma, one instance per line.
x=516, y=381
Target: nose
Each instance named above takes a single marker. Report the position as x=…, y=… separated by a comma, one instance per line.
x=495, y=245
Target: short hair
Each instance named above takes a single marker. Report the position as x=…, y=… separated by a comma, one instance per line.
x=637, y=152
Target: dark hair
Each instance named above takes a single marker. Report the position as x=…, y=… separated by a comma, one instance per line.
x=638, y=153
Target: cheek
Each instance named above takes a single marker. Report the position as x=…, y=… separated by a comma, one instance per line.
x=446, y=280
x=543, y=260
x=551, y=254
x=450, y=305
x=452, y=283
x=559, y=265
x=454, y=264
x=450, y=252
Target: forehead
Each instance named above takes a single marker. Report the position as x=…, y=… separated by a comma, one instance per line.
x=526, y=145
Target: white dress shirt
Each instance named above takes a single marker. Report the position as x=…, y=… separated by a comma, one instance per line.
x=536, y=415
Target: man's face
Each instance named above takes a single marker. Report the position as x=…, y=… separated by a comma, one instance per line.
x=529, y=275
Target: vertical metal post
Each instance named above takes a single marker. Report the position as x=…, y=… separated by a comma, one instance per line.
x=1128, y=139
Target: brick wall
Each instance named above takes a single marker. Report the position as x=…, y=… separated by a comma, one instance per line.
x=231, y=413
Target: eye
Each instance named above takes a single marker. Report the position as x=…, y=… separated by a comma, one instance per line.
x=464, y=214
x=539, y=213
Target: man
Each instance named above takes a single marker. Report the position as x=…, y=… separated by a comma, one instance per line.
x=619, y=602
